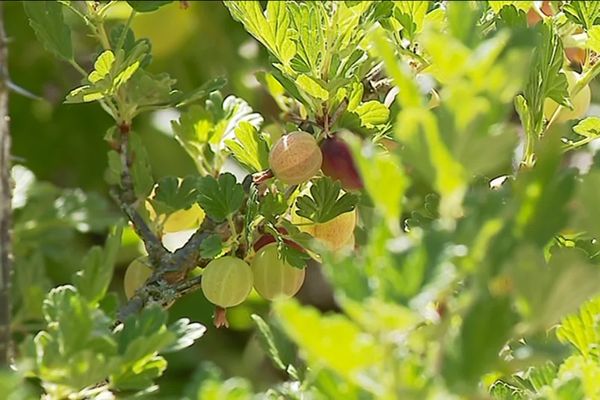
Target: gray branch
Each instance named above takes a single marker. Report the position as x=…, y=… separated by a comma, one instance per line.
x=5, y=203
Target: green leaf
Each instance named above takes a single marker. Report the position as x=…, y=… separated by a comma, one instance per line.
x=585, y=13
x=546, y=78
x=588, y=128
x=409, y=95
x=312, y=87
x=270, y=28
x=172, y=195
x=69, y=319
x=308, y=18
x=372, y=113
x=562, y=284
x=278, y=347
x=146, y=89
x=141, y=171
x=46, y=19
x=273, y=205
x=148, y=6
x=220, y=198
x=211, y=247
x=582, y=330
x=325, y=202
x=204, y=90
x=249, y=147
x=485, y=329
x=293, y=256
x=496, y=6
x=411, y=15
x=376, y=170
x=102, y=66
x=593, y=41
x=95, y=276
x=186, y=334
x=331, y=341
x=584, y=215
x=425, y=149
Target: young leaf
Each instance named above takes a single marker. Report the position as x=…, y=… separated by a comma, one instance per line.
x=546, y=78
x=95, y=277
x=312, y=87
x=249, y=147
x=46, y=19
x=585, y=13
x=411, y=15
x=582, y=330
x=325, y=202
x=220, y=198
x=371, y=113
x=271, y=28
x=588, y=128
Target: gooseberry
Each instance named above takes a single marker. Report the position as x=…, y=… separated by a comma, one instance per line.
x=273, y=277
x=226, y=281
x=136, y=275
x=581, y=102
x=338, y=163
x=268, y=238
x=334, y=234
x=295, y=158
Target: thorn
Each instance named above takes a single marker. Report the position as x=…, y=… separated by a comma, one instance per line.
x=23, y=92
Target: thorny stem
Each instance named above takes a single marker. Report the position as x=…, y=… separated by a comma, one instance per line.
x=6, y=262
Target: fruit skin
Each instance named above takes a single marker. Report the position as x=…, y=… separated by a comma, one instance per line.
x=334, y=234
x=226, y=281
x=273, y=277
x=136, y=275
x=295, y=158
x=581, y=102
x=338, y=163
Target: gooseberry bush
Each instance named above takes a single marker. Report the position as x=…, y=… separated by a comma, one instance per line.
x=426, y=159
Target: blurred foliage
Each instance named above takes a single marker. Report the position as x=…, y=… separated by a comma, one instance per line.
x=455, y=287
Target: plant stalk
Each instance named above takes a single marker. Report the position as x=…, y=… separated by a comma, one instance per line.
x=6, y=261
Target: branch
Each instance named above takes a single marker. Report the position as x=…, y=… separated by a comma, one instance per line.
x=157, y=288
x=153, y=245
x=5, y=203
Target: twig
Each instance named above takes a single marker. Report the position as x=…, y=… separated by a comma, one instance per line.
x=5, y=204
x=153, y=245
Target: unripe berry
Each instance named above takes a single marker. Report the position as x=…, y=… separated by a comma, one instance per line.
x=338, y=163
x=295, y=158
x=273, y=277
x=226, y=281
x=136, y=275
x=268, y=238
x=334, y=234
